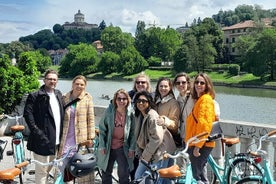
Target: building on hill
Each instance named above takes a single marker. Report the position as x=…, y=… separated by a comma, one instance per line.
x=57, y=55
x=79, y=23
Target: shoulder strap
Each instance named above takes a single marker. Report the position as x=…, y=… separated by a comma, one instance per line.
x=185, y=102
x=72, y=102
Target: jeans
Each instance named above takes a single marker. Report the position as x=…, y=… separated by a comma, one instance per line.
x=142, y=170
x=199, y=164
x=119, y=156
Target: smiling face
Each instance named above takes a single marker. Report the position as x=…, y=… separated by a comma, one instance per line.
x=164, y=88
x=142, y=104
x=50, y=82
x=141, y=84
x=200, y=85
x=121, y=101
x=181, y=85
x=78, y=87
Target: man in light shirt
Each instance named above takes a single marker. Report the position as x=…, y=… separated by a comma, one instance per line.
x=44, y=113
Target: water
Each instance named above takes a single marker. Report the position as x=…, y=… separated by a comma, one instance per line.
x=240, y=104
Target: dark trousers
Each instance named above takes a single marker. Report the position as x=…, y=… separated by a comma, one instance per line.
x=199, y=164
x=119, y=156
x=135, y=164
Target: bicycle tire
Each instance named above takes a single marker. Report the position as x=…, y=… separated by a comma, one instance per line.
x=248, y=180
x=242, y=168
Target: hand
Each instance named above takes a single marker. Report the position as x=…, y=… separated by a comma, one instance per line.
x=103, y=151
x=196, y=152
x=131, y=154
x=161, y=121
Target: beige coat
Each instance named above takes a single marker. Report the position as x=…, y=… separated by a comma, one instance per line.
x=169, y=108
x=84, y=119
x=152, y=140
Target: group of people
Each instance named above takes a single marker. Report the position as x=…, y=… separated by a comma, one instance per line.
x=140, y=124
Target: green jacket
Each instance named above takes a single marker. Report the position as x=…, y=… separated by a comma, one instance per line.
x=106, y=127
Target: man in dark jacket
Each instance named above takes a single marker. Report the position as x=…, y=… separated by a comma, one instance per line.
x=44, y=113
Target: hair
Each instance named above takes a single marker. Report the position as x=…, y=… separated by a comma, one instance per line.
x=50, y=71
x=209, y=86
x=142, y=74
x=183, y=74
x=79, y=77
x=157, y=93
x=148, y=97
x=116, y=95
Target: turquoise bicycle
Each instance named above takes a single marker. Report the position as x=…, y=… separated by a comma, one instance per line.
x=235, y=167
x=17, y=143
x=267, y=176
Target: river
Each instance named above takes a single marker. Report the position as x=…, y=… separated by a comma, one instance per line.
x=240, y=104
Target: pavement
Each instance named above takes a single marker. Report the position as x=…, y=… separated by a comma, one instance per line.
x=8, y=162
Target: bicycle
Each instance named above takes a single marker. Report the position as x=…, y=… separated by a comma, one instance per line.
x=267, y=176
x=235, y=167
x=175, y=173
x=17, y=143
x=57, y=162
x=8, y=176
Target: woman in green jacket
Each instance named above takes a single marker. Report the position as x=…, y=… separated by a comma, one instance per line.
x=116, y=138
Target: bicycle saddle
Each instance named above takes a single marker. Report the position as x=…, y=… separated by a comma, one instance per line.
x=170, y=172
x=17, y=128
x=230, y=141
x=9, y=174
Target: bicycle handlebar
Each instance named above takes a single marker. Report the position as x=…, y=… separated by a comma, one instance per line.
x=13, y=117
x=183, y=153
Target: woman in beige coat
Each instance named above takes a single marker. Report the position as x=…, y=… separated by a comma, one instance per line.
x=78, y=120
x=152, y=139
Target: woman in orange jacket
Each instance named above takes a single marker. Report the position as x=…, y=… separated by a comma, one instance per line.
x=200, y=120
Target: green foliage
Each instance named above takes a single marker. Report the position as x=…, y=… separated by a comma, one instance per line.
x=81, y=59
x=14, y=83
x=109, y=62
x=154, y=61
x=131, y=62
x=181, y=60
x=234, y=69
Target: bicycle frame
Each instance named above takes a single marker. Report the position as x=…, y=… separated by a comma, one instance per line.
x=267, y=177
x=17, y=144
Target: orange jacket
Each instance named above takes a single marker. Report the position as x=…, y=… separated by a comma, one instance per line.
x=204, y=116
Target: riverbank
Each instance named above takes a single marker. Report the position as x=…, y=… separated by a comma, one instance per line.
x=219, y=79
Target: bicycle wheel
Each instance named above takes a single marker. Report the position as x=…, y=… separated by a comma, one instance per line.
x=241, y=168
x=211, y=175
x=249, y=180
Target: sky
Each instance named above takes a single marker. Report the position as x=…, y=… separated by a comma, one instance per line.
x=26, y=17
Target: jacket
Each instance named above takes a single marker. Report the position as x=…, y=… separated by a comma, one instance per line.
x=84, y=119
x=106, y=127
x=152, y=140
x=169, y=107
x=201, y=120
x=40, y=120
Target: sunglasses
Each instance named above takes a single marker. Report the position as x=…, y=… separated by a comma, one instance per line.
x=140, y=82
x=180, y=82
x=199, y=82
x=143, y=101
x=121, y=99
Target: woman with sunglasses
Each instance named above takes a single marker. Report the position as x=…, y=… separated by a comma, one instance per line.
x=200, y=120
x=152, y=139
x=185, y=100
x=116, y=139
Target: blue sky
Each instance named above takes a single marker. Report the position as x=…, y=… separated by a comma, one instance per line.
x=24, y=17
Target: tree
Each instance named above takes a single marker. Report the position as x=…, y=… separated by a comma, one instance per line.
x=131, y=61
x=181, y=60
x=81, y=59
x=57, y=28
x=14, y=83
x=263, y=55
x=102, y=25
x=109, y=62
x=114, y=40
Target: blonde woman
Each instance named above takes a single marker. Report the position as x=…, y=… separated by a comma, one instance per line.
x=79, y=121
